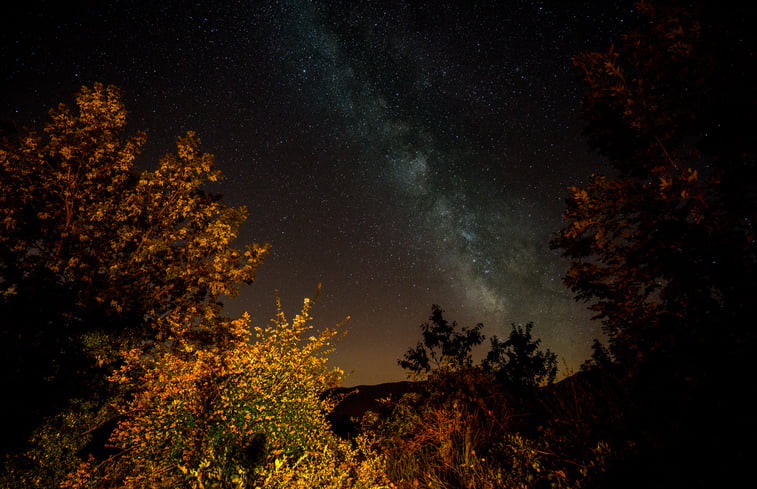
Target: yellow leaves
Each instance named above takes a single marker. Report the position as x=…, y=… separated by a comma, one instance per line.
x=158, y=246
x=187, y=145
x=678, y=184
x=282, y=388
x=577, y=228
x=66, y=152
x=101, y=107
x=665, y=182
x=214, y=176
x=580, y=194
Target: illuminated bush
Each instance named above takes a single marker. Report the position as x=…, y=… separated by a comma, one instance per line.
x=234, y=414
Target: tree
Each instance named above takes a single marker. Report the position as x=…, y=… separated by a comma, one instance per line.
x=443, y=345
x=664, y=250
x=97, y=258
x=518, y=361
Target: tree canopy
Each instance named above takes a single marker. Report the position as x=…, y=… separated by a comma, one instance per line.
x=444, y=345
x=96, y=255
x=119, y=367
x=519, y=362
x=236, y=414
x=664, y=249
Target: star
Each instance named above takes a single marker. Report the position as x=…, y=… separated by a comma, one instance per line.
x=402, y=154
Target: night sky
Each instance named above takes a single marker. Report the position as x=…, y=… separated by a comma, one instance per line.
x=402, y=154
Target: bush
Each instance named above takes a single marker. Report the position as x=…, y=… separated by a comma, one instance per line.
x=235, y=414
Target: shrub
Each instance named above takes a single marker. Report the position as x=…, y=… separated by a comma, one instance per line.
x=233, y=414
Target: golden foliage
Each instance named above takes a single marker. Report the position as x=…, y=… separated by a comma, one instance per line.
x=149, y=241
x=234, y=414
x=138, y=257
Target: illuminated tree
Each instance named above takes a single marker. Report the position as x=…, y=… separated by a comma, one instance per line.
x=97, y=257
x=111, y=280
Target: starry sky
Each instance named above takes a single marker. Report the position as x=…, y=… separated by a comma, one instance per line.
x=401, y=153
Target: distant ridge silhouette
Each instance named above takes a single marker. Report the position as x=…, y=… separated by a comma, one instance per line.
x=357, y=400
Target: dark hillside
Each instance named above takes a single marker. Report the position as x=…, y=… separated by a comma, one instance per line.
x=345, y=419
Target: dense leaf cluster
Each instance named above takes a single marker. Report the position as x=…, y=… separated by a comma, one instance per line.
x=95, y=255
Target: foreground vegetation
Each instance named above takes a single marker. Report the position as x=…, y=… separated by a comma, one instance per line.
x=146, y=383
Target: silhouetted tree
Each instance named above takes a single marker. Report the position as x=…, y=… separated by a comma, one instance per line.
x=443, y=345
x=601, y=358
x=664, y=250
x=486, y=425
x=518, y=361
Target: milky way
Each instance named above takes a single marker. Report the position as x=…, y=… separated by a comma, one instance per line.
x=401, y=153
x=463, y=203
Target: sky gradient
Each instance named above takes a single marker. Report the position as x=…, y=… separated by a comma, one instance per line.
x=402, y=154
